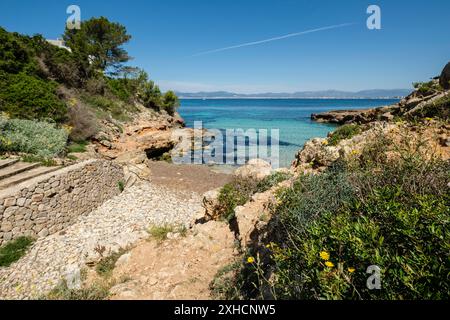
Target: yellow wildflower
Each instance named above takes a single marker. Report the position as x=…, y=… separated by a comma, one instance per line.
x=251, y=260
x=329, y=264
x=325, y=255
x=325, y=142
x=351, y=270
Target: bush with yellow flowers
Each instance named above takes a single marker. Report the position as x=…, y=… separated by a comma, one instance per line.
x=378, y=211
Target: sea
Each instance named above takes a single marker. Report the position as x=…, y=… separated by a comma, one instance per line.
x=292, y=117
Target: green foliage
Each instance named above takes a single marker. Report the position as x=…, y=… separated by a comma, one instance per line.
x=233, y=194
x=239, y=191
x=107, y=264
x=150, y=95
x=46, y=162
x=427, y=88
x=231, y=281
x=28, y=97
x=272, y=180
x=344, y=132
x=391, y=212
x=37, y=79
x=119, y=87
x=98, y=44
x=97, y=291
x=37, y=138
x=106, y=106
x=77, y=147
x=313, y=195
x=170, y=102
x=160, y=233
x=409, y=242
x=121, y=186
x=14, y=55
x=14, y=250
x=437, y=109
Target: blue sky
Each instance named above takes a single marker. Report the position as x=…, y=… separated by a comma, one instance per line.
x=413, y=44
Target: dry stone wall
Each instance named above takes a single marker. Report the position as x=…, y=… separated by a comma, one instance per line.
x=50, y=203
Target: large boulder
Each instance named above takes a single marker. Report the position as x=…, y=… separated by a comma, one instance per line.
x=444, y=80
x=256, y=169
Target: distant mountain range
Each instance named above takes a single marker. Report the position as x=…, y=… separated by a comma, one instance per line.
x=330, y=94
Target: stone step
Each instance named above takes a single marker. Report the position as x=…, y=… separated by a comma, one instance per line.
x=26, y=175
x=7, y=162
x=16, y=168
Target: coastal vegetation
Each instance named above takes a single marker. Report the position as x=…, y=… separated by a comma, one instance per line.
x=371, y=210
x=14, y=250
x=70, y=90
x=344, y=132
x=239, y=191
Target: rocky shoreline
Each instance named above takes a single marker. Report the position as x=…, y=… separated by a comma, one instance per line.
x=414, y=105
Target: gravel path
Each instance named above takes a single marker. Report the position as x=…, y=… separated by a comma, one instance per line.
x=118, y=223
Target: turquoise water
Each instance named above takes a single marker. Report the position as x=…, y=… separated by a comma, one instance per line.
x=291, y=116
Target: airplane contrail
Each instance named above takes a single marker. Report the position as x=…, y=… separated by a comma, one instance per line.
x=274, y=39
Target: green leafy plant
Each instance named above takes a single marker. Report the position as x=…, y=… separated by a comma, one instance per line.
x=328, y=228
x=77, y=147
x=14, y=250
x=344, y=132
x=41, y=139
x=29, y=97
x=121, y=185
x=233, y=194
x=36, y=159
x=107, y=264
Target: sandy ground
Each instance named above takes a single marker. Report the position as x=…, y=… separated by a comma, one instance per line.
x=193, y=178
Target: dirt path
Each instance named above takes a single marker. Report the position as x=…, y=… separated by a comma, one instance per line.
x=179, y=268
x=182, y=266
x=176, y=269
x=192, y=178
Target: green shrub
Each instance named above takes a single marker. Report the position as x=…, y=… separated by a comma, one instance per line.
x=120, y=88
x=28, y=97
x=97, y=291
x=170, y=102
x=121, y=185
x=77, y=147
x=14, y=250
x=233, y=194
x=239, y=191
x=46, y=162
x=409, y=242
x=14, y=55
x=391, y=212
x=160, y=233
x=117, y=109
x=107, y=264
x=437, y=109
x=427, y=88
x=344, y=132
x=38, y=138
x=314, y=195
x=271, y=181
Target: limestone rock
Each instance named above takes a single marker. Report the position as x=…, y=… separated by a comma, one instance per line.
x=211, y=204
x=72, y=276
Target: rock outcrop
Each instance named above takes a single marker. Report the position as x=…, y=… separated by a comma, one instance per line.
x=433, y=137
x=256, y=169
x=415, y=105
